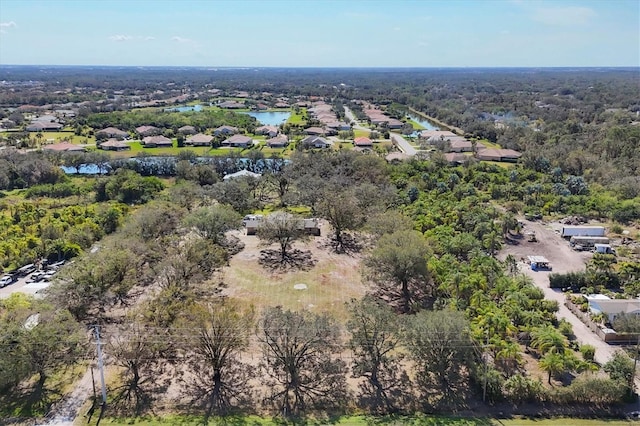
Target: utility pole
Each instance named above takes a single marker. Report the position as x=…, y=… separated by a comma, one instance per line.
x=486, y=370
x=101, y=366
x=635, y=363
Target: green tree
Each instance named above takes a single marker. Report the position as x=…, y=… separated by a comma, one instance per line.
x=343, y=213
x=620, y=367
x=398, y=268
x=548, y=339
x=553, y=363
x=212, y=222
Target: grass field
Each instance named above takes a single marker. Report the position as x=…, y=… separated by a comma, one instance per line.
x=359, y=133
x=297, y=119
x=367, y=421
x=416, y=125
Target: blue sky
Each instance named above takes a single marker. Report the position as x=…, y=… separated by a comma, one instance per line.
x=326, y=33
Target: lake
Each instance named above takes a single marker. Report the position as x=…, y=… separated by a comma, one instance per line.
x=270, y=118
x=185, y=108
x=423, y=122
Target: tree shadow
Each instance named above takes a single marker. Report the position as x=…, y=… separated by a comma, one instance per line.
x=29, y=401
x=294, y=259
x=348, y=244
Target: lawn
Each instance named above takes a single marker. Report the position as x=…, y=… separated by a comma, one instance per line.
x=416, y=125
x=55, y=137
x=297, y=119
x=137, y=148
x=359, y=133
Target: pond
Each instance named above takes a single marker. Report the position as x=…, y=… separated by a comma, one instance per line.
x=270, y=118
x=185, y=108
x=423, y=122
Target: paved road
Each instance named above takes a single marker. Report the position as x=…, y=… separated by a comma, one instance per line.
x=400, y=142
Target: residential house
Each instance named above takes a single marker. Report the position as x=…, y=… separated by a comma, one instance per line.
x=231, y=105
x=495, y=154
x=396, y=157
x=315, y=142
x=238, y=141
x=143, y=131
x=187, y=130
x=460, y=145
x=242, y=173
x=339, y=125
x=611, y=308
x=199, y=140
x=156, y=141
x=48, y=118
x=112, y=132
x=63, y=146
x=315, y=131
x=392, y=123
x=437, y=135
x=455, y=158
x=278, y=142
x=114, y=145
x=225, y=130
x=43, y=126
x=281, y=105
x=363, y=142
x=270, y=131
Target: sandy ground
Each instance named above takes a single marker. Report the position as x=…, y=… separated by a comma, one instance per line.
x=563, y=259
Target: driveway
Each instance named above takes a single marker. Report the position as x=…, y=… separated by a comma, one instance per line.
x=563, y=259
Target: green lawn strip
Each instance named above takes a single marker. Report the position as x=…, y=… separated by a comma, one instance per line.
x=364, y=421
x=415, y=124
x=137, y=148
x=359, y=133
x=297, y=118
x=488, y=144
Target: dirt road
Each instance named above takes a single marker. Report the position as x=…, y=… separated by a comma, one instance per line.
x=65, y=412
x=563, y=259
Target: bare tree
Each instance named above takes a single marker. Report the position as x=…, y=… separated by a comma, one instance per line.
x=299, y=351
x=375, y=339
x=139, y=350
x=220, y=379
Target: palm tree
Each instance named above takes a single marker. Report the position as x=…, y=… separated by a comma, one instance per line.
x=553, y=364
x=548, y=339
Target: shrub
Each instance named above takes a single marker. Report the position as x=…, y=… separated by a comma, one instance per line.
x=590, y=389
x=519, y=388
x=588, y=352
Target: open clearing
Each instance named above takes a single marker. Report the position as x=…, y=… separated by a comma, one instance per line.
x=332, y=281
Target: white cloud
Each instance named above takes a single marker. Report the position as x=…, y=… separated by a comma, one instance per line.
x=571, y=15
x=124, y=37
x=4, y=26
x=120, y=37
x=181, y=39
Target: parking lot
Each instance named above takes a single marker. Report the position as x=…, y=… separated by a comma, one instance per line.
x=32, y=283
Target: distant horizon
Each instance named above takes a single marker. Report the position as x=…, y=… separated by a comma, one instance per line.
x=250, y=67
x=322, y=33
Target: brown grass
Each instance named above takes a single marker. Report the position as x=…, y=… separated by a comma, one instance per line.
x=332, y=281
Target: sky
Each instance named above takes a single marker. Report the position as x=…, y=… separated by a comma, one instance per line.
x=323, y=33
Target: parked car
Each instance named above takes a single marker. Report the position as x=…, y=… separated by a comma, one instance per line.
x=6, y=280
x=35, y=277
